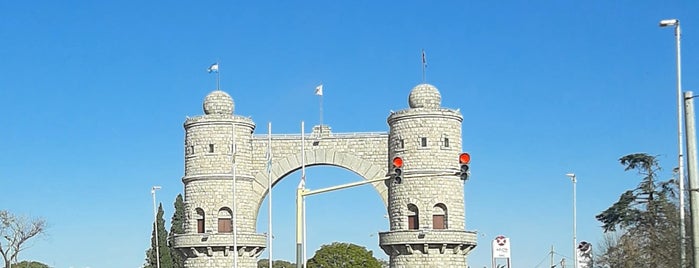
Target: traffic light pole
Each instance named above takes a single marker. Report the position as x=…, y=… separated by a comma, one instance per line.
x=301, y=193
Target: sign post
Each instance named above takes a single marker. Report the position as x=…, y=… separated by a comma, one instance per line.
x=501, y=250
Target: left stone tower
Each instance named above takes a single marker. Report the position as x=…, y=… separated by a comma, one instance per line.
x=218, y=160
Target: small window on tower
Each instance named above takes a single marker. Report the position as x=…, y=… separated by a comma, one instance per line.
x=200, y=220
x=224, y=221
x=413, y=217
x=211, y=148
x=439, y=217
x=399, y=143
x=446, y=142
x=423, y=142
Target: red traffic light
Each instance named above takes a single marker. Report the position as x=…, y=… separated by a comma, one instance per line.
x=397, y=162
x=464, y=158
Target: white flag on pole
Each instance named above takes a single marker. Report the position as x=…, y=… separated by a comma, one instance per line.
x=319, y=90
x=213, y=68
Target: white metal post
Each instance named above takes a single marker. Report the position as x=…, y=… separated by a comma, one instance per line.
x=155, y=225
x=234, y=150
x=680, y=137
x=269, y=192
x=575, y=227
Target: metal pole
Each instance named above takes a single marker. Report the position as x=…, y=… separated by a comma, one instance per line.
x=575, y=226
x=155, y=224
x=300, y=219
x=269, y=187
x=299, y=227
x=234, y=150
x=303, y=177
x=692, y=171
x=551, y=265
x=680, y=167
x=575, y=239
x=680, y=138
x=305, y=243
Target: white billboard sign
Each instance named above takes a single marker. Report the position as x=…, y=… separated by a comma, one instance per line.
x=501, y=247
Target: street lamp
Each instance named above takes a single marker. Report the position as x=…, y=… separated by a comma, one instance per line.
x=575, y=239
x=680, y=173
x=155, y=224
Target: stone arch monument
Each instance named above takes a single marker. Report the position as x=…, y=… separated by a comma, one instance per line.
x=426, y=209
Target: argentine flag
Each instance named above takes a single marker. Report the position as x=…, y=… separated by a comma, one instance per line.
x=213, y=68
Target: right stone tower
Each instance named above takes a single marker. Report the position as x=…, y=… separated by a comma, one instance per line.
x=426, y=207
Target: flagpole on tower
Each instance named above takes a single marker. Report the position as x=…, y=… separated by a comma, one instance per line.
x=424, y=65
x=319, y=92
x=214, y=68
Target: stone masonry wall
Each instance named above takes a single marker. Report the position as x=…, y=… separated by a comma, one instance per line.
x=430, y=177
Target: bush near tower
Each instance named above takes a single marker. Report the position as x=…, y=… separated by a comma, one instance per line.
x=343, y=255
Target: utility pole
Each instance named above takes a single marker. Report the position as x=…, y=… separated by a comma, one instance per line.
x=692, y=171
x=552, y=265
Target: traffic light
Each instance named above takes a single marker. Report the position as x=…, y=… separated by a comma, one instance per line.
x=464, y=160
x=397, y=170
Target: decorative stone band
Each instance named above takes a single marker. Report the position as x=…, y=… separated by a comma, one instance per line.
x=219, y=120
x=204, y=244
x=222, y=177
x=445, y=114
x=427, y=242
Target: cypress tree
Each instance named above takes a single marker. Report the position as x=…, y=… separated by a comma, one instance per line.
x=177, y=227
x=165, y=258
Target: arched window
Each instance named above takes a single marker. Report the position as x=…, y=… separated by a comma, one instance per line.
x=439, y=216
x=413, y=217
x=200, y=220
x=224, y=221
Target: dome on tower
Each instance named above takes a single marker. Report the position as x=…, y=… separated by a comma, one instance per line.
x=425, y=96
x=218, y=102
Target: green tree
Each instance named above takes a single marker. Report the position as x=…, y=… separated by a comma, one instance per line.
x=15, y=232
x=264, y=263
x=642, y=227
x=344, y=255
x=177, y=227
x=165, y=259
x=30, y=264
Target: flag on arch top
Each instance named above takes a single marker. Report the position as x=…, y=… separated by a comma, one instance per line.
x=319, y=90
x=213, y=68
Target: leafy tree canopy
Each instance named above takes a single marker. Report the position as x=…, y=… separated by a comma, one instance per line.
x=642, y=227
x=30, y=264
x=343, y=255
x=264, y=263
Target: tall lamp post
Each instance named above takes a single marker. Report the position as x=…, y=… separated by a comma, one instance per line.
x=575, y=239
x=680, y=101
x=155, y=225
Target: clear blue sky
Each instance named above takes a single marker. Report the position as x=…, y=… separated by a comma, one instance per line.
x=93, y=97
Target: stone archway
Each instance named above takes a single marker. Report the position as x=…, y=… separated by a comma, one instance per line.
x=287, y=165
